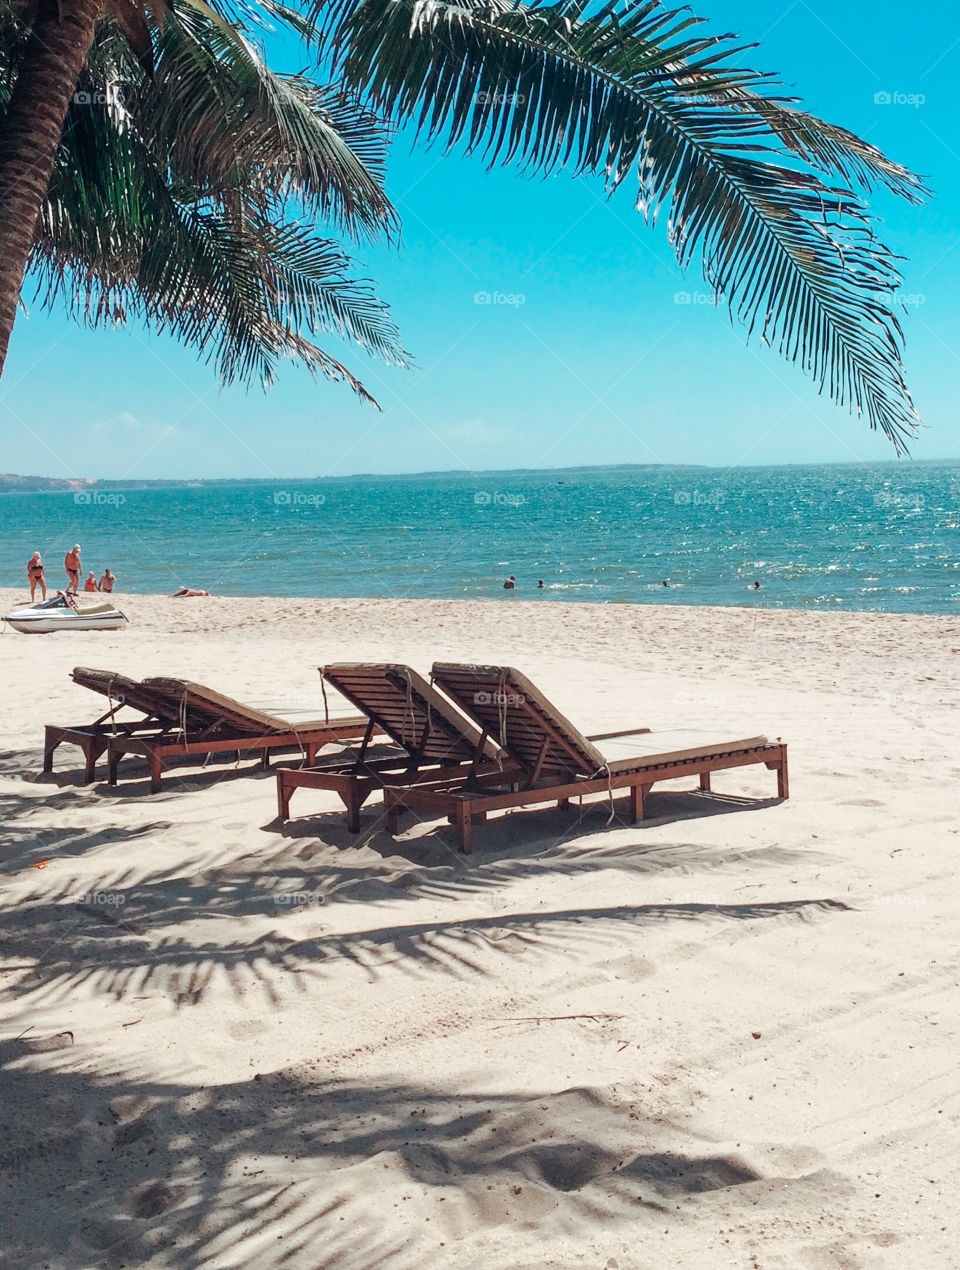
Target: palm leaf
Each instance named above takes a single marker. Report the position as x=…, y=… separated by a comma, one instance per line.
x=759, y=192
x=202, y=251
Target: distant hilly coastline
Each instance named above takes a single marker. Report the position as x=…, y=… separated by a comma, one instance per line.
x=13, y=483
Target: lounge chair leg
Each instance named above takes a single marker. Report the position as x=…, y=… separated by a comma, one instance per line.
x=155, y=770
x=637, y=793
x=392, y=815
x=783, y=784
x=50, y=743
x=352, y=800
x=705, y=780
x=283, y=797
x=311, y=755
x=264, y=760
x=463, y=827
x=563, y=804
x=90, y=752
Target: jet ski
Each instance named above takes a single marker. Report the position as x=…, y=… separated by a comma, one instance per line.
x=63, y=614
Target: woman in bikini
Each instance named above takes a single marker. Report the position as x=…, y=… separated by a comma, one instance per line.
x=36, y=576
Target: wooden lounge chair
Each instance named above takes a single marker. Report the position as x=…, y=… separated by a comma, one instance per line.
x=430, y=739
x=207, y=722
x=558, y=762
x=156, y=715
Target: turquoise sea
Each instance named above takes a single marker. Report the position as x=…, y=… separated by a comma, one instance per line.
x=864, y=536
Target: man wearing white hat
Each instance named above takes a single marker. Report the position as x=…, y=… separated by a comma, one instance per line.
x=71, y=562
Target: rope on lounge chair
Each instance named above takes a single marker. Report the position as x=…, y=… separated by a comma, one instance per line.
x=120, y=702
x=502, y=707
x=411, y=709
x=323, y=689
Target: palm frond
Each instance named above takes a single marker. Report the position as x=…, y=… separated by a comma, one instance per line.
x=206, y=254
x=757, y=190
x=222, y=109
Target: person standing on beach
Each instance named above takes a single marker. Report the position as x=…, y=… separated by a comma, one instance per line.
x=36, y=576
x=71, y=562
x=107, y=579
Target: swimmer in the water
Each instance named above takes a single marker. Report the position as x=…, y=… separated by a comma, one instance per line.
x=510, y=583
x=540, y=585
x=755, y=587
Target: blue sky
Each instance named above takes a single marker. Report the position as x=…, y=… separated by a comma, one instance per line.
x=591, y=360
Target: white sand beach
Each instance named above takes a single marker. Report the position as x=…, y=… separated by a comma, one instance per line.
x=724, y=1037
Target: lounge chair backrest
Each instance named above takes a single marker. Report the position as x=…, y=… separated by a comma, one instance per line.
x=206, y=706
x=129, y=692
x=412, y=713
x=517, y=715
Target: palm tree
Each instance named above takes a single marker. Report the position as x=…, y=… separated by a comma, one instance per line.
x=767, y=197
x=178, y=196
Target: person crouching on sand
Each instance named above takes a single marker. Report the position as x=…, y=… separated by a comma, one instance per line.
x=91, y=582
x=36, y=576
x=71, y=562
x=107, y=580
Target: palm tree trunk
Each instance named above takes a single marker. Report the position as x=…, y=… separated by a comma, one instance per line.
x=30, y=134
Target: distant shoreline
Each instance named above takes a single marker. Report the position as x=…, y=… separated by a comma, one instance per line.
x=10, y=596
x=13, y=483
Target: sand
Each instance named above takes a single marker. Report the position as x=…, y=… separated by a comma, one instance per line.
x=724, y=1037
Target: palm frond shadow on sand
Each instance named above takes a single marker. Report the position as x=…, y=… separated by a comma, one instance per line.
x=105, y=950
x=288, y=1169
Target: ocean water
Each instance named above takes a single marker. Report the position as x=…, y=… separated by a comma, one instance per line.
x=864, y=536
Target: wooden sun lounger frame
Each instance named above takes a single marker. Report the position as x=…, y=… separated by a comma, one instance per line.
x=551, y=750
x=160, y=749
x=93, y=738
x=354, y=779
x=216, y=725
x=464, y=804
